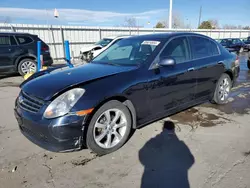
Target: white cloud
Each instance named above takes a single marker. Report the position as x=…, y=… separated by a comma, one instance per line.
x=76, y=15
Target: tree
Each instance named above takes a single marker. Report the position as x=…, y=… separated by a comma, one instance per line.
x=130, y=22
x=177, y=22
x=160, y=25
x=205, y=25
x=246, y=28
x=228, y=26
x=214, y=23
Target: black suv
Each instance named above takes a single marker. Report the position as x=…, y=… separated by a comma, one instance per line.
x=18, y=53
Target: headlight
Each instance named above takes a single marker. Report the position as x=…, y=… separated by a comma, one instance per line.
x=63, y=104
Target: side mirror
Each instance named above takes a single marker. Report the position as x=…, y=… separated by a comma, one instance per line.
x=167, y=62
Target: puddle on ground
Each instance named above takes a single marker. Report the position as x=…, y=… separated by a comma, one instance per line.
x=195, y=118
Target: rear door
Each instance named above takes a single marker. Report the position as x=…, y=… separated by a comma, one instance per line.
x=171, y=87
x=208, y=65
x=7, y=52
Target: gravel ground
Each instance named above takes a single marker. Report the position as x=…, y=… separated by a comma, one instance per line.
x=202, y=147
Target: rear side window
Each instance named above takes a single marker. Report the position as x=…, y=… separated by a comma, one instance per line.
x=24, y=39
x=4, y=40
x=202, y=47
x=177, y=49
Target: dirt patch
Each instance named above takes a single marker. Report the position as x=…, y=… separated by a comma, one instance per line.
x=246, y=154
x=83, y=162
x=9, y=84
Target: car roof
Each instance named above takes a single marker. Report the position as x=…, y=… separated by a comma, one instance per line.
x=229, y=38
x=168, y=35
x=15, y=33
x=114, y=37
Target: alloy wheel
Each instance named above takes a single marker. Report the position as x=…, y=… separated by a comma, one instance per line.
x=28, y=66
x=224, y=89
x=110, y=128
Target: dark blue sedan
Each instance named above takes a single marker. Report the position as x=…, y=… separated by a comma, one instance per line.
x=136, y=81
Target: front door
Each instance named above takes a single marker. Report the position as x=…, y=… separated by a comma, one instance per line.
x=172, y=86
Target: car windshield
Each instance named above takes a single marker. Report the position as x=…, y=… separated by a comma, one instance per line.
x=104, y=42
x=128, y=52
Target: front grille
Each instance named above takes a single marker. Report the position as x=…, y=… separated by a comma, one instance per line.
x=30, y=103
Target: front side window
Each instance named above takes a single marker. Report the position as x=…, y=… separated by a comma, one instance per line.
x=224, y=42
x=23, y=39
x=4, y=40
x=128, y=52
x=177, y=49
x=202, y=47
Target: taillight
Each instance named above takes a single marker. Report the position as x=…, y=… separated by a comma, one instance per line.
x=237, y=61
x=45, y=49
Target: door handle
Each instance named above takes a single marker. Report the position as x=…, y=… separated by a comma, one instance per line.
x=220, y=62
x=191, y=69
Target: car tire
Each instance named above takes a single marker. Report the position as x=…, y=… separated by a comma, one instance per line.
x=222, y=90
x=27, y=65
x=107, y=133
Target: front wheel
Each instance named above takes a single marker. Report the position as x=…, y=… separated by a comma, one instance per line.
x=109, y=128
x=222, y=90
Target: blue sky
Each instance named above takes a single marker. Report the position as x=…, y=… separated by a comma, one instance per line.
x=113, y=12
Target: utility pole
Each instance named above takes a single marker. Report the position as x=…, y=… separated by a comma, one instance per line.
x=199, y=23
x=170, y=14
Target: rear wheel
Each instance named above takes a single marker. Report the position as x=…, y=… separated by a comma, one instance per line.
x=248, y=64
x=27, y=66
x=222, y=89
x=109, y=128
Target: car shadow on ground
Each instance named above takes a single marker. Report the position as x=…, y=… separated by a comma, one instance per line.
x=166, y=160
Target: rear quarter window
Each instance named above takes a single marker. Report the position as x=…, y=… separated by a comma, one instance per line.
x=24, y=39
x=202, y=47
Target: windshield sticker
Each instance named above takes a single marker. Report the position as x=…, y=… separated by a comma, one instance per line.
x=153, y=43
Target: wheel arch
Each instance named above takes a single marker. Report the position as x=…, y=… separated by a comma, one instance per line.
x=124, y=100
x=230, y=74
x=19, y=59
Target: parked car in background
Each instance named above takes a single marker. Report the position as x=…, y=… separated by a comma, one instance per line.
x=134, y=82
x=248, y=60
x=247, y=42
x=89, y=52
x=18, y=53
x=234, y=44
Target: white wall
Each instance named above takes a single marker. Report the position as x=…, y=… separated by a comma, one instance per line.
x=80, y=36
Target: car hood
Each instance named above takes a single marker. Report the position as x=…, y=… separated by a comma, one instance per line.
x=89, y=48
x=49, y=84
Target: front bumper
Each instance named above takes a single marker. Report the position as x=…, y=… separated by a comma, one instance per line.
x=58, y=135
